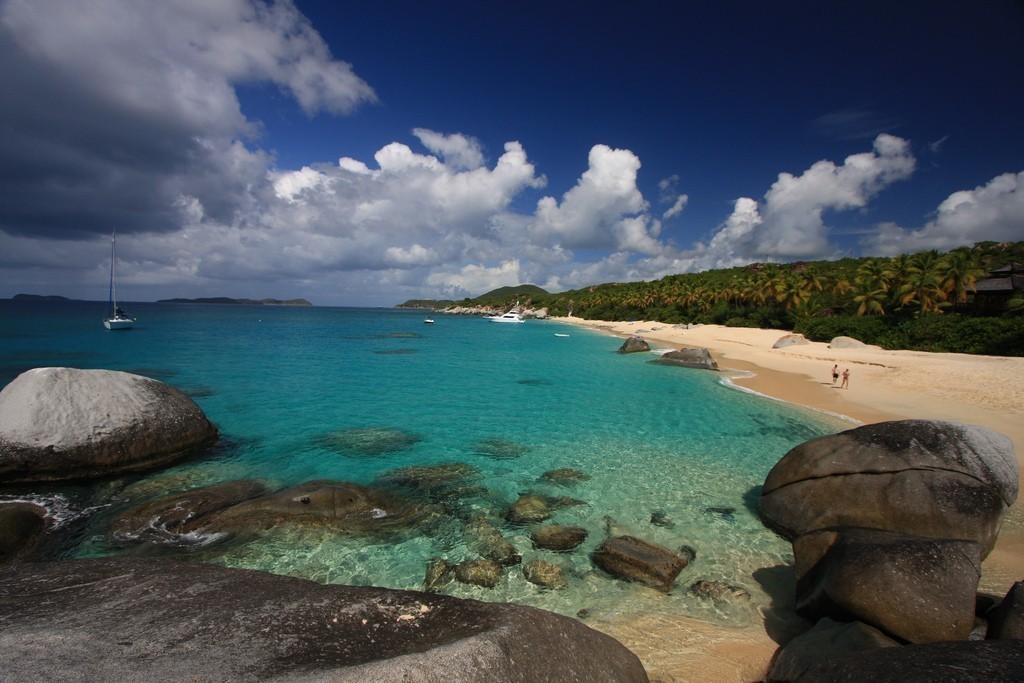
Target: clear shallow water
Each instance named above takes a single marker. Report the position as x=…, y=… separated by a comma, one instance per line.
x=511, y=401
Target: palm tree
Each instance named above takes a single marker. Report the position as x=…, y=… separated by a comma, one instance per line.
x=792, y=293
x=872, y=297
x=959, y=270
x=922, y=286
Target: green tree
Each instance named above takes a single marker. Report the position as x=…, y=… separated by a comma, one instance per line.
x=922, y=289
x=958, y=271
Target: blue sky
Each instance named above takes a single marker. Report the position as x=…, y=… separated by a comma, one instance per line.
x=368, y=153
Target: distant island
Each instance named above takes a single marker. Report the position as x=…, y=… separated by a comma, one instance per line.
x=205, y=300
x=39, y=297
x=496, y=297
x=244, y=302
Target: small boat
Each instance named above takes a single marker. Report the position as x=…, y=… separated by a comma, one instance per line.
x=428, y=321
x=559, y=334
x=510, y=317
x=118, y=319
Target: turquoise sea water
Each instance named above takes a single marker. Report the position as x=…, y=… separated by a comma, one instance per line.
x=287, y=387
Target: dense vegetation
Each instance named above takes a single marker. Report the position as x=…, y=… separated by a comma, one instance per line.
x=923, y=301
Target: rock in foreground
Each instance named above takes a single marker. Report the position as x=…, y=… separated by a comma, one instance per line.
x=917, y=477
x=62, y=423
x=134, y=620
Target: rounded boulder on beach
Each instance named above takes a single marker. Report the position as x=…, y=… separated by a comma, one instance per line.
x=63, y=423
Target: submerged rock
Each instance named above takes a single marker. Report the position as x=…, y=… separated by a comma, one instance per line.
x=660, y=518
x=369, y=441
x=170, y=519
x=121, y=619
x=718, y=590
x=544, y=574
x=62, y=423
x=483, y=572
x=432, y=479
x=488, y=541
x=633, y=559
x=340, y=506
x=533, y=507
x=564, y=476
x=439, y=575
x=558, y=537
x=500, y=449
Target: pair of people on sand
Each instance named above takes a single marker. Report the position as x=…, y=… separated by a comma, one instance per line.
x=846, y=377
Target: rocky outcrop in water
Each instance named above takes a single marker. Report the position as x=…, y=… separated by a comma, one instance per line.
x=242, y=508
x=700, y=359
x=889, y=524
x=62, y=423
x=150, y=619
x=634, y=344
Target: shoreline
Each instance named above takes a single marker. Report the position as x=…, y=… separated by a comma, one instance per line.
x=884, y=386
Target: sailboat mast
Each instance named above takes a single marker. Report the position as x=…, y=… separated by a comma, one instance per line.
x=113, y=293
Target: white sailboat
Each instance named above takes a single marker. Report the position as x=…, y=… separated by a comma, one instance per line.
x=118, y=319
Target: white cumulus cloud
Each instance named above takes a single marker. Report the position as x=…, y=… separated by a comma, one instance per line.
x=994, y=211
x=791, y=222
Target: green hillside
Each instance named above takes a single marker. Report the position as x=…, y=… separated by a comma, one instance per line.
x=925, y=301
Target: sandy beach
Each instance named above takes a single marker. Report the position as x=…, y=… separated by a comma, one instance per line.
x=883, y=385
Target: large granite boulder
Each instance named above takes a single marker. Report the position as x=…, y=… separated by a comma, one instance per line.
x=822, y=643
x=963, y=661
x=63, y=423
x=700, y=359
x=919, y=590
x=634, y=344
x=848, y=343
x=1006, y=620
x=148, y=619
x=790, y=340
x=22, y=525
x=634, y=559
x=916, y=477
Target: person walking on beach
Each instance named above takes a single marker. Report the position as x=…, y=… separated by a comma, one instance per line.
x=846, y=379
x=835, y=373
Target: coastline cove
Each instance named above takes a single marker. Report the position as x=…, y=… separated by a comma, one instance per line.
x=463, y=418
